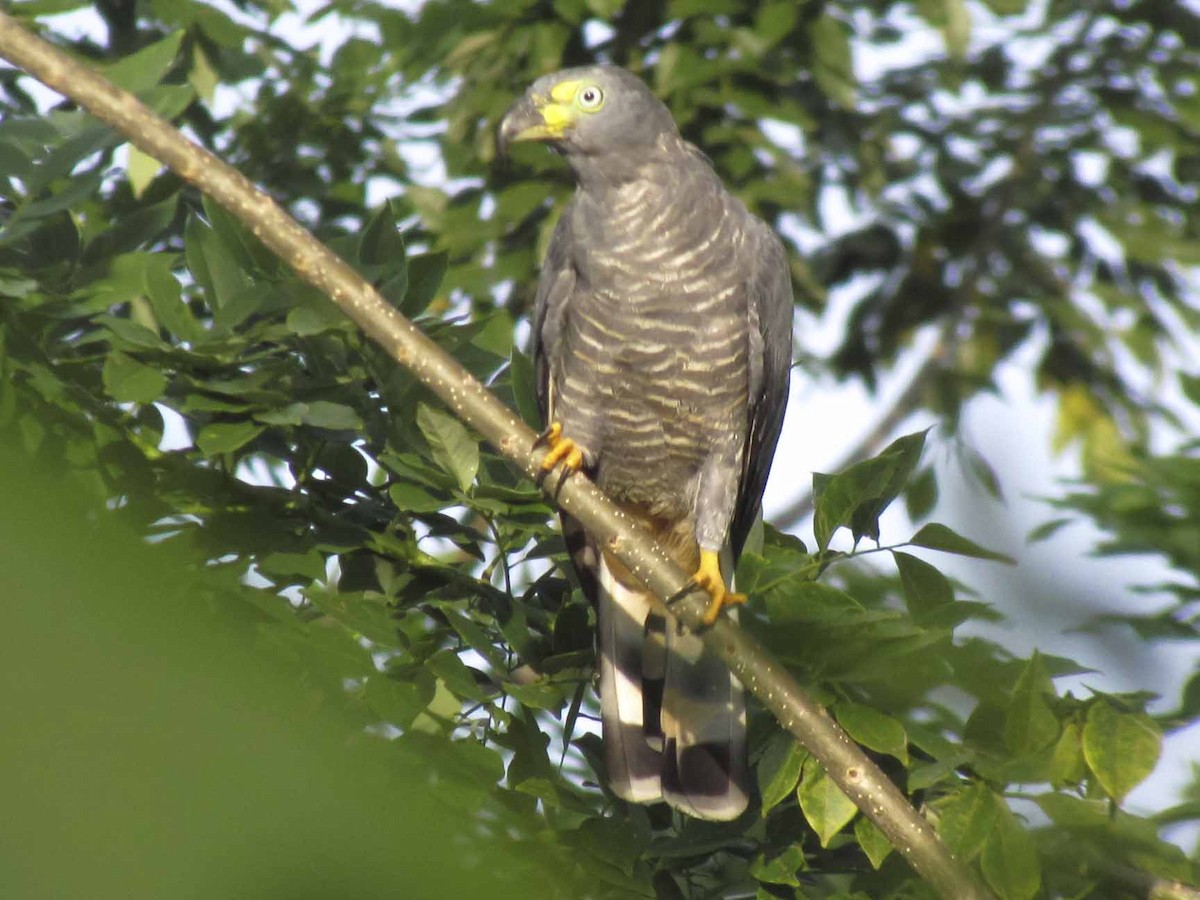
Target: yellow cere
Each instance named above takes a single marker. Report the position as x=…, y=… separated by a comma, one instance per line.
x=557, y=117
x=565, y=91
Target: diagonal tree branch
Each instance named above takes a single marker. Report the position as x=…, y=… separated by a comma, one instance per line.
x=847, y=765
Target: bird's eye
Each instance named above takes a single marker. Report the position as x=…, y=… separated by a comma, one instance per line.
x=591, y=97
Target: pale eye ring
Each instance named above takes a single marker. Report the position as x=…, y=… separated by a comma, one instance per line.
x=591, y=97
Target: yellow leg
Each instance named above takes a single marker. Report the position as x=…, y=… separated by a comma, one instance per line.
x=708, y=576
x=562, y=449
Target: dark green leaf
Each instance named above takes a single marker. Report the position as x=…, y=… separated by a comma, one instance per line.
x=778, y=770
x=452, y=446
x=874, y=843
x=318, y=413
x=780, y=868
x=425, y=273
x=225, y=437
x=857, y=496
x=935, y=536
x=926, y=590
x=130, y=381
x=1029, y=723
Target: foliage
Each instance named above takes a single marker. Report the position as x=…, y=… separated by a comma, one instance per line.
x=1025, y=187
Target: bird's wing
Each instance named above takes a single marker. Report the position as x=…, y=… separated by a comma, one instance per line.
x=770, y=307
x=556, y=284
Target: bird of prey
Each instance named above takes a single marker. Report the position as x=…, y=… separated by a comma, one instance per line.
x=662, y=345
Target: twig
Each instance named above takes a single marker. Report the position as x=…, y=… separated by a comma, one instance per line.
x=847, y=765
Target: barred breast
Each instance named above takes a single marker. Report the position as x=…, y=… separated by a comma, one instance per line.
x=657, y=336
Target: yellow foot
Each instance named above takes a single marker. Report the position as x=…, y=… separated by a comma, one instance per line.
x=562, y=450
x=708, y=576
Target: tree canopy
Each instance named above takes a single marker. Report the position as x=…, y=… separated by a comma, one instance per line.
x=1015, y=184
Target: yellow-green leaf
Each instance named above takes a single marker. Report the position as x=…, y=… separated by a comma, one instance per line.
x=1120, y=748
x=965, y=819
x=142, y=168
x=1067, y=765
x=827, y=809
x=874, y=729
x=1010, y=861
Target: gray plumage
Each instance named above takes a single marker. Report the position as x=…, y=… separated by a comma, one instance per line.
x=662, y=344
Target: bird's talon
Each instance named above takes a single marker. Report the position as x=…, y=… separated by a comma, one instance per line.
x=718, y=603
x=562, y=450
x=708, y=576
x=549, y=437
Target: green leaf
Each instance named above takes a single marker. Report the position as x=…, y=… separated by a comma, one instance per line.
x=524, y=388
x=1120, y=748
x=921, y=494
x=832, y=64
x=1029, y=724
x=859, y=494
x=605, y=9
x=778, y=770
x=225, y=437
x=926, y=590
x=318, y=413
x=399, y=701
x=826, y=808
x=314, y=313
x=965, y=819
x=873, y=729
x=452, y=445
x=142, y=169
x=412, y=498
x=130, y=381
x=455, y=675
x=381, y=243
x=874, y=843
x=781, y=868
x=936, y=536
x=212, y=264
x=311, y=565
x=1010, y=860
x=425, y=273
x=142, y=70
x=1067, y=765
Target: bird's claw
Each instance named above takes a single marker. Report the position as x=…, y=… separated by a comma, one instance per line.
x=708, y=578
x=561, y=450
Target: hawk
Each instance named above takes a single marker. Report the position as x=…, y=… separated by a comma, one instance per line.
x=662, y=338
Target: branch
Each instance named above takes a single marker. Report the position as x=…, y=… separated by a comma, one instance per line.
x=847, y=765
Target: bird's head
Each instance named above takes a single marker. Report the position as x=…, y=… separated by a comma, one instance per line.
x=590, y=111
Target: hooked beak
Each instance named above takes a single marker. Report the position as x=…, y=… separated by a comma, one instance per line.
x=534, y=118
